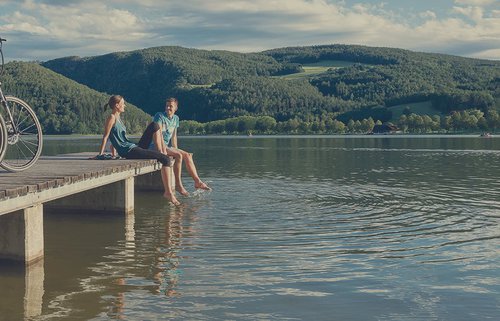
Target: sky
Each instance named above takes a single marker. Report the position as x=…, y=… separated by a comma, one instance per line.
x=47, y=29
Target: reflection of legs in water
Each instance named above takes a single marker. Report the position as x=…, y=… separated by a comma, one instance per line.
x=165, y=273
x=119, y=304
x=180, y=156
x=173, y=239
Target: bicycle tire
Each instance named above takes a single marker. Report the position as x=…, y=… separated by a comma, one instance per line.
x=23, y=149
x=3, y=138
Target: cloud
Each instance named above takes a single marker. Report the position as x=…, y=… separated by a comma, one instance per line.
x=480, y=3
x=94, y=27
x=269, y=24
x=95, y=21
x=486, y=54
x=428, y=14
x=86, y=25
x=474, y=13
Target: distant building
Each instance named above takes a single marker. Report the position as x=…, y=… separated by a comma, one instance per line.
x=385, y=129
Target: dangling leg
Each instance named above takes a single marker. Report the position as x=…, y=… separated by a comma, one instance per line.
x=179, y=187
x=191, y=168
x=166, y=178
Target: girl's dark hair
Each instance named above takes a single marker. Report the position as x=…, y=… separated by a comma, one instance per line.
x=113, y=100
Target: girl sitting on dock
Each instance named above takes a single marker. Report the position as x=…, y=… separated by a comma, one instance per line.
x=116, y=132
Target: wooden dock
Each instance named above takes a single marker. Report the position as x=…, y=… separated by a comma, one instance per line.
x=68, y=182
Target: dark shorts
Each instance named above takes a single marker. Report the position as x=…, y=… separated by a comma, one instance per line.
x=141, y=153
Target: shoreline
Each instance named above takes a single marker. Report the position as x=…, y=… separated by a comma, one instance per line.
x=258, y=136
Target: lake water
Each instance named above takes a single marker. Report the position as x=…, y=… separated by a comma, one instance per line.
x=296, y=228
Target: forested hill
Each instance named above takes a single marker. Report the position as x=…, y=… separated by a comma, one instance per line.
x=388, y=76
x=63, y=105
x=342, y=81
x=147, y=77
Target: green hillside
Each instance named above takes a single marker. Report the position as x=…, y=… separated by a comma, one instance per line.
x=418, y=108
x=63, y=105
x=303, y=89
x=146, y=77
x=289, y=82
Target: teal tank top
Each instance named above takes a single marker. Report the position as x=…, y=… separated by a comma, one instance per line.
x=118, y=137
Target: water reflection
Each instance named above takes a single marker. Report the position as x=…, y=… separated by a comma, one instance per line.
x=157, y=262
x=325, y=228
x=166, y=271
x=34, y=290
x=76, y=263
x=118, y=304
x=24, y=287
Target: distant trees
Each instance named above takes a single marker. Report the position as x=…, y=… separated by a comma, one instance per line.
x=472, y=120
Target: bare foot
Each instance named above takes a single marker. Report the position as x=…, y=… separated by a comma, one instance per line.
x=171, y=198
x=202, y=185
x=182, y=191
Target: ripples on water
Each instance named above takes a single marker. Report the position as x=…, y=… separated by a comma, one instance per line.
x=368, y=234
x=336, y=252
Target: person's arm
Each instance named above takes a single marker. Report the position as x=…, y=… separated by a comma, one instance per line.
x=107, y=129
x=174, y=139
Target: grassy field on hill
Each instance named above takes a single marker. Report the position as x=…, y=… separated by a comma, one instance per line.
x=317, y=68
x=420, y=108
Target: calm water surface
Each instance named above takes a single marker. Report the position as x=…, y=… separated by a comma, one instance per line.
x=296, y=228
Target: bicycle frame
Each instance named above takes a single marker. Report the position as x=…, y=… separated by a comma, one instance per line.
x=9, y=118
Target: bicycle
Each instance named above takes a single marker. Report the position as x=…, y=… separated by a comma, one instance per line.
x=20, y=131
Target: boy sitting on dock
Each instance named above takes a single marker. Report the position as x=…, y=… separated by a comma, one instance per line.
x=165, y=141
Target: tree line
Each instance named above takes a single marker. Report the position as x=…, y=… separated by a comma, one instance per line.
x=465, y=121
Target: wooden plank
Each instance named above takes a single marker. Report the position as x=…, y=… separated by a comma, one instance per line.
x=58, y=171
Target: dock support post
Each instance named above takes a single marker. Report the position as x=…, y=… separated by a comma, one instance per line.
x=128, y=195
x=21, y=235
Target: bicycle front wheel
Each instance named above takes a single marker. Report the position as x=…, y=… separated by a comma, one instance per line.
x=24, y=136
x=3, y=138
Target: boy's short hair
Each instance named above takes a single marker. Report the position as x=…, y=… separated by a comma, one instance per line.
x=172, y=100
